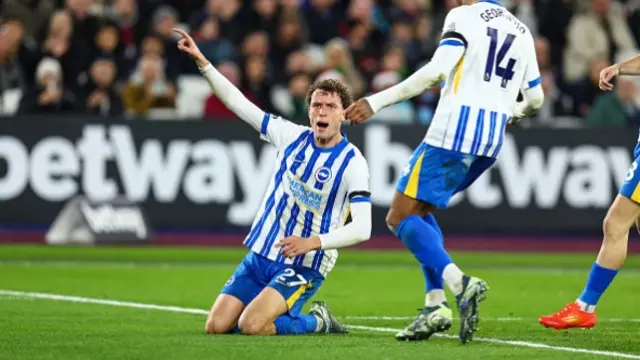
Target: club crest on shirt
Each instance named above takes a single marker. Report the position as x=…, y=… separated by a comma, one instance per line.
x=323, y=175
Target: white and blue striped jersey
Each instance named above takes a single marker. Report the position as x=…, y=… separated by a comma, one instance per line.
x=479, y=95
x=309, y=193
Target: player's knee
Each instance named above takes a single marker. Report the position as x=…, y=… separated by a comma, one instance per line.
x=393, y=220
x=250, y=325
x=217, y=325
x=613, y=227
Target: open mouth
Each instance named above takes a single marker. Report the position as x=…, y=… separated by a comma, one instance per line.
x=322, y=125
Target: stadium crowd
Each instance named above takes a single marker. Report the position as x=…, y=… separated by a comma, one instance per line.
x=119, y=57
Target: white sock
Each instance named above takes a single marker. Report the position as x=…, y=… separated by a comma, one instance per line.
x=435, y=297
x=452, y=275
x=586, y=307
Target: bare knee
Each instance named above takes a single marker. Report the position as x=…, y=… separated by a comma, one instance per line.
x=393, y=219
x=251, y=325
x=218, y=325
x=613, y=227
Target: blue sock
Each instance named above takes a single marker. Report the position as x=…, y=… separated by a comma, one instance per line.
x=599, y=280
x=432, y=280
x=425, y=243
x=303, y=324
x=236, y=330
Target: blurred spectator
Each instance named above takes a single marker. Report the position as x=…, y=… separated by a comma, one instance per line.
x=255, y=82
x=425, y=38
x=323, y=20
x=98, y=96
x=81, y=42
x=553, y=19
x=365, y=52
x=587, y=89
x=33, y=14
x=213, y=106
x=58, y=44
x=288, y=38
x=264, y=16
x=206, y=33
x=291, y=101
x=48, y=94
x=148, y=88
x=11, y=73
x=256, y=44
x=165, y=19
x=402, y=35
x=233, y=18
x=133, y=26
x=394, y=60
x=399, y=113
x=107, y=45
x=615, y=108
x=340, y=60
x=600, y=32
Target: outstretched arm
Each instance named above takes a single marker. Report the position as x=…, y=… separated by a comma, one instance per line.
x=444, y=60
x=451, y=49
x=221, y=87
x=628, y=67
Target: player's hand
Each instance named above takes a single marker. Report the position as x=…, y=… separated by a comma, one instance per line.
x=188, y=46
x=294, y=245
x=606, y=75
x=359, y=111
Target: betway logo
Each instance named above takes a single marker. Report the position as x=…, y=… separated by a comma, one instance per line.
x=207, y=171
x=57, y=169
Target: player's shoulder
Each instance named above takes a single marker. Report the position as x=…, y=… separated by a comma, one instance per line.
x=358, y=158
x=462, y=12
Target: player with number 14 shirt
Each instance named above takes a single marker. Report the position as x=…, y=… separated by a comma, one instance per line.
x=486, y=57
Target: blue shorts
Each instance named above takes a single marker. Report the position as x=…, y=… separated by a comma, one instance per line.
x=630, y=188
x=433, y=175
x=297, y=284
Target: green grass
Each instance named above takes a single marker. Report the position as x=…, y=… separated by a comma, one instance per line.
x=372, y=284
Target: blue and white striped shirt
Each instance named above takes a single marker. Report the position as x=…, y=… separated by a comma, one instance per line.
x=309, y=193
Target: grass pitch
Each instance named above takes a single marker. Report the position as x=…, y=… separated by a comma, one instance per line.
x=149, y=303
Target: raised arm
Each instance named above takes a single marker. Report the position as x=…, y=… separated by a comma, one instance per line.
x=221, y=87
x=628, y=67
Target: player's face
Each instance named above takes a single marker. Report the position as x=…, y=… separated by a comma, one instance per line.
x=326, y=114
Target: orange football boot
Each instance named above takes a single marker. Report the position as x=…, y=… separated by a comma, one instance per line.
x=570, y=317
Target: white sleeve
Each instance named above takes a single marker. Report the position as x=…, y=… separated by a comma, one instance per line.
x=450, y=50
x=272, y=128
x=359, y=229
x=428, y=76
x=531, y=88
x=278, y=131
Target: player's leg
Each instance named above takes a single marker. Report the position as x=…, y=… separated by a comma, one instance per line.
x=621, y=215
x=224, y=314
x=432, y=177
x=434, y=284
x=276, y=310
x=238, y=291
